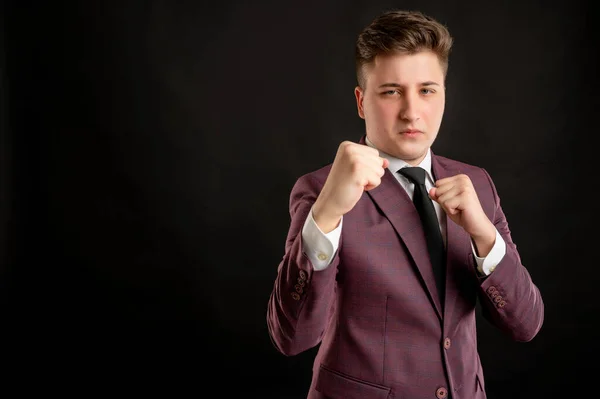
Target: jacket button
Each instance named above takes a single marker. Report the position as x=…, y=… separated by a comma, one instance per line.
x=441, y=393
x=447, y=343
x=491, y=289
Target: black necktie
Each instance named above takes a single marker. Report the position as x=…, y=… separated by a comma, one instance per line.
x=431, y=227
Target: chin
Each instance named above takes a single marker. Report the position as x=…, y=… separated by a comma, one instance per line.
x=410, y=154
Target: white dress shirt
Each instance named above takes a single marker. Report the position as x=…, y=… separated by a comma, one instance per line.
x=320, y=247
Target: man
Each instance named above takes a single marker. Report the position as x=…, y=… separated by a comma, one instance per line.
x=363, y=274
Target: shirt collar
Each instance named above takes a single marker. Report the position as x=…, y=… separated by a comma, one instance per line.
x=396, y=163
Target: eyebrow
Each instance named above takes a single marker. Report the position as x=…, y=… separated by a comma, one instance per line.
x=427, y=83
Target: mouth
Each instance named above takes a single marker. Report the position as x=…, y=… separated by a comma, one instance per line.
x=410, y=132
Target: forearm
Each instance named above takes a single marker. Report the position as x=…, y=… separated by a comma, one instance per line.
x=510, y=299
x=298, y=308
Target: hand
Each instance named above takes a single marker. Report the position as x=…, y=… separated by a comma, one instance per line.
x=356, y=168
x=458, y=198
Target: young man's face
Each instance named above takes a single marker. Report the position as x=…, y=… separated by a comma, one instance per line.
x=403, y=103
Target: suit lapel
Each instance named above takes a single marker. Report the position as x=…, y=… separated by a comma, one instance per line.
x=397, y=206
x=457, y=242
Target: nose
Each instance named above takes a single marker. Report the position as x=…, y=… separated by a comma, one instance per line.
x=409, y=109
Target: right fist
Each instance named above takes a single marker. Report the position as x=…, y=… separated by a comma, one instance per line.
x=356, y=168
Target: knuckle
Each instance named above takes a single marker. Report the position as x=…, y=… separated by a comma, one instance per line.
x=345, y=146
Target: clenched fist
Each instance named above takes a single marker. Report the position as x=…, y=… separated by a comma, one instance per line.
x=356, y=168
x=457, y=196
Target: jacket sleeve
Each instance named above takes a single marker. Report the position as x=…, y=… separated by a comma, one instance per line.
x=509, y=298
x=299, y=306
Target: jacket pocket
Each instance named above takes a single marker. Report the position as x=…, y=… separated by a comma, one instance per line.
x=336, y=385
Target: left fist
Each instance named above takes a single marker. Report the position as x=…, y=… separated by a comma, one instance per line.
x=458, y=198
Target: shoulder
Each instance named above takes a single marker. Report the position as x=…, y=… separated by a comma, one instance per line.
x=459, y=166
x=479, y=175
x=309, y=185
x=318, y=175
x=448, y=163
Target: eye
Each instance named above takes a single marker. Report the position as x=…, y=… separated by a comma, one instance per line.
x=427, y=91
x=390, y=92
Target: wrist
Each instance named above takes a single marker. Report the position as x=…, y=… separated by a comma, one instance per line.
x=484, y=241
x=325, y=219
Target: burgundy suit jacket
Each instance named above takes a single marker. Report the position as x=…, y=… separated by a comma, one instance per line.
x=375, y=310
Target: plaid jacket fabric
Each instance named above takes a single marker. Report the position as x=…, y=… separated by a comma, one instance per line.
x=375, y=310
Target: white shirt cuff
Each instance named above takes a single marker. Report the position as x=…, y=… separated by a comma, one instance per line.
x=318, y=246
x=488, y=264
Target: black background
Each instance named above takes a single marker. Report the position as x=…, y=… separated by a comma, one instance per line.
x=148, y=151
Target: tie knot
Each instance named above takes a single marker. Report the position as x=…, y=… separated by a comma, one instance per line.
x=414, y=173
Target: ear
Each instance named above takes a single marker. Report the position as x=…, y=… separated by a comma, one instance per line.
x=360, y=96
